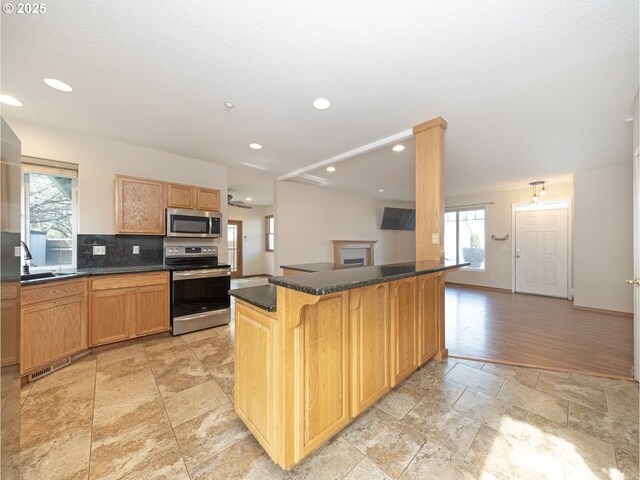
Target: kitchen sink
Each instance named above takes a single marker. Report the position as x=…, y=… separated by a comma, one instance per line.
x=40, y=275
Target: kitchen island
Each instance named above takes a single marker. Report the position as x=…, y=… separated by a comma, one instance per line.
x=324, y=346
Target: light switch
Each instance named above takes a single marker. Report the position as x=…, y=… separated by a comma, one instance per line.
x=435, y=238
x=99, y=250
x=136, y=249
x=16, y=251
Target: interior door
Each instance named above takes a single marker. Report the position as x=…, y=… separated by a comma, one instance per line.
x=541, y=252
x=636, y=262
x=234, y=244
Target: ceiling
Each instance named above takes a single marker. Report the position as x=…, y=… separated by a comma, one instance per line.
x=530, y=90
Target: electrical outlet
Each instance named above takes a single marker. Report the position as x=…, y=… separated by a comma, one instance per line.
x=136, y=250
x=99, y=250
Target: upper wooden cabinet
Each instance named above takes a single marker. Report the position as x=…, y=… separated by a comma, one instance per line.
x=140, y=205
x=187, y=196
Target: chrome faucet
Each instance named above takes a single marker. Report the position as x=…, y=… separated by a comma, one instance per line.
x=27, y=258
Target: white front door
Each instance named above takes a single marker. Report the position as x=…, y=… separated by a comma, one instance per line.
x=541, y=251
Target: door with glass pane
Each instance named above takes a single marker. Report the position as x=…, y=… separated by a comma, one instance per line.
x=234, y=242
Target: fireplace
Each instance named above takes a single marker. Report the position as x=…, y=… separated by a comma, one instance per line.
x=353, y=252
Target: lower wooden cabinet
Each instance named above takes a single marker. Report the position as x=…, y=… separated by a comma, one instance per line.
x=427, y=314
x=128, y=306
x=52, y=324
x=404, y=329
x=368, y=315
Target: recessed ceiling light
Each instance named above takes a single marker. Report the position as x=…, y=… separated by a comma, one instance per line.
x=381, y=190
x=331, y=169
x=248, y=199
x=9, y=100
x=398, y=148
x=58, y=85
x=228, y=104
x=255, y=146
x=321, y=104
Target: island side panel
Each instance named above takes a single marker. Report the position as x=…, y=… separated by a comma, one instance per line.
x=428, y=305
x=404, y=329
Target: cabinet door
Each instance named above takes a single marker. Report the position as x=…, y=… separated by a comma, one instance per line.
x=208, y=199
x=369, y=326
x=52, y=330
x=404, y=331
x=111, y=313
x=152, y=309
x=140, y=206
x=180, y=196
x=427, y=317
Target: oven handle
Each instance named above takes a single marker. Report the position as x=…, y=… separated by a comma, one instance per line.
x=200, y=274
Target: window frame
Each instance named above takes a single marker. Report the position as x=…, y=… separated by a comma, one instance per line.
x=457, y=211
x=268, y=231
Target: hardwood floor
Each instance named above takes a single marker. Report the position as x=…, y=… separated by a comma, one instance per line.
x=536, y=331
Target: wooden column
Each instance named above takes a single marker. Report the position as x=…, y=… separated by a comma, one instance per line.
x=429, y=137
x=430, y=189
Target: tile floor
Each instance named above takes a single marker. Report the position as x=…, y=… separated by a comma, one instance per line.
x=162, y=408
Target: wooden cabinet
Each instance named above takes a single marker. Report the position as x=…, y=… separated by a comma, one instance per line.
x=254, y=379
x=140, y=205
x=404, y=329
x=190, y=197
x=427, y=317
x=53, y=323
x=368, y=318
x=127, y=306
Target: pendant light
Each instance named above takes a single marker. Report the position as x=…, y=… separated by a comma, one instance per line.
x=536, y=189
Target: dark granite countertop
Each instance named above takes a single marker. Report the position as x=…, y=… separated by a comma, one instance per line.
x=325, y=282
x=318, y=267
x=84, y=272
x=263, y=296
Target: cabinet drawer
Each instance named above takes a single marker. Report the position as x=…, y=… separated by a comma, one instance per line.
x=129, y=280
x=52, y=291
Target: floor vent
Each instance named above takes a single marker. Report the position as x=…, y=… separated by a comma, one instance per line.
x=51, y=368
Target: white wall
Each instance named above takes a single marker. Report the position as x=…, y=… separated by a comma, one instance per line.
x=269, y=257
x=99, y=160
x=498, y=220
x=603, y=238
x=254, y=258
x=309, y=217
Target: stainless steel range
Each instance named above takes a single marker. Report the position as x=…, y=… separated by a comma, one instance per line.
x=199, y=288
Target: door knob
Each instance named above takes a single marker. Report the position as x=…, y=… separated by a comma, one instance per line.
x=634, y=281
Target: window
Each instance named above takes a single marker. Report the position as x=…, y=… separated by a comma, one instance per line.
x=49, y=214
x=269, y=233
x=464, y=237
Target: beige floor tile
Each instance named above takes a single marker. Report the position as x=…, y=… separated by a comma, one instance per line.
x=223, y=331
x=223, y=375
x=501, y=416
x=162, y=471
x=438, y=462
x=367, y=470
x=565, y=388
x=604, y=426
x=606, y=384
x=536, y=401
x=122, y=368
x=470, y=363
x=158, y=344
x=446, y=391
x=526, y=376
x=623, y=405
x=436, y=421
x=243, y=460
x=207, y=435
x=439, y=369
x=557, y=373
x=116, y=354
x=421, y=381
x=399, y=401
x=213, y=351
x=582, y=451
x=65, y=456
x=84, y=368
x=178, y=373
x=476, y=378
x=385, y=440
x=332, y=461
x=506, y=457
x=194, y=401
x=159, y=356
x=25, y=390
x=628, y=463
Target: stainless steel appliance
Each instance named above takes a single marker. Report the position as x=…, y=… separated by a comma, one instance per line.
x=199, y=288
x=193, y=223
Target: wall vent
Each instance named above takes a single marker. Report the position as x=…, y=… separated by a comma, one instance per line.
x=51, y=368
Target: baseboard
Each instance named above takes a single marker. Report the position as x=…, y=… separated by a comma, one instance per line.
x=260, y=275
x=478, y=287
x=614, y=313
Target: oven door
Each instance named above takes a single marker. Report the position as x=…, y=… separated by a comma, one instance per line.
x=188, y=223
x=200, y=299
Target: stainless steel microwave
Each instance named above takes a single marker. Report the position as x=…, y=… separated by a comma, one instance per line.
x=193, y=223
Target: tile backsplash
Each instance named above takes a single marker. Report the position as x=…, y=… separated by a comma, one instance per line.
x=119, y=250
